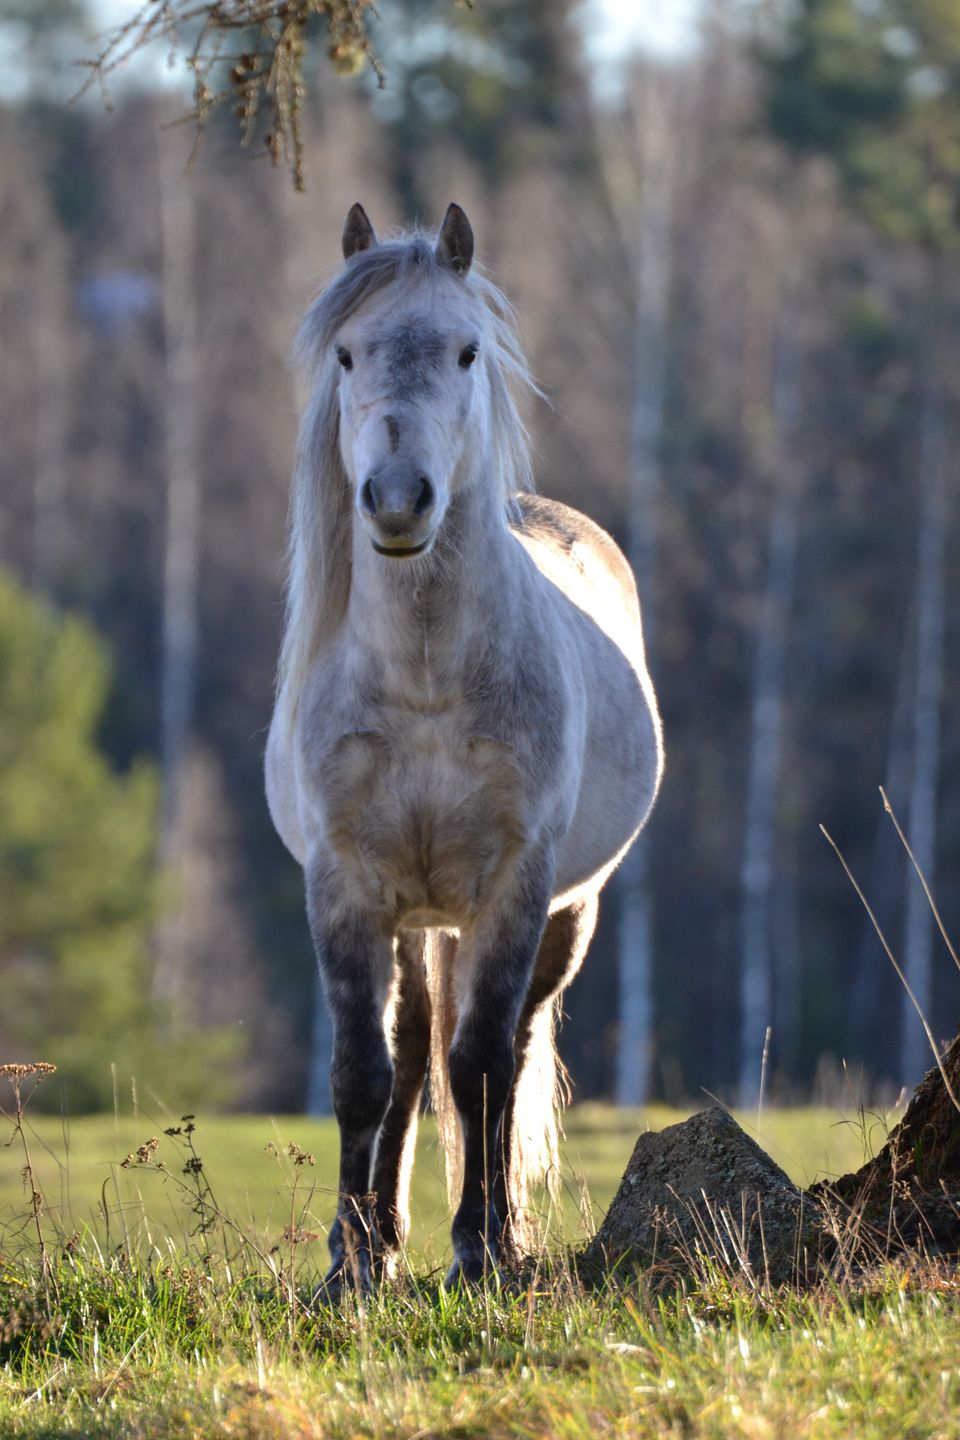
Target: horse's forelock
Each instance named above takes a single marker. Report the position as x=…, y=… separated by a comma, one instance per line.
x=392, y=262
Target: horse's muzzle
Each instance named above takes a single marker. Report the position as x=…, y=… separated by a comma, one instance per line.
x=396, y=504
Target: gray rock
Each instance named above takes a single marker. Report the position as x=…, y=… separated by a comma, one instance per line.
x=703, y=1188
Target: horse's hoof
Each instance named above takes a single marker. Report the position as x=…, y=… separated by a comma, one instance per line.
x=329, y=1291
x=470, y=1271
x=350, y=1273
x=385, y=1264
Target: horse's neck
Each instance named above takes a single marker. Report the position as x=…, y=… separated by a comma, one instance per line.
x=415, y=614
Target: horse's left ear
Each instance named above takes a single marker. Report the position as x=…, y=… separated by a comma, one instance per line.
x=455, y=241
x=358, y=233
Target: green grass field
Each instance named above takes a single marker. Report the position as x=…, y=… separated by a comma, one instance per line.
x=83, y=1184
x=135, y=1335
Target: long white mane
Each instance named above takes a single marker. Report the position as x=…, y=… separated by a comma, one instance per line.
x=319, y=545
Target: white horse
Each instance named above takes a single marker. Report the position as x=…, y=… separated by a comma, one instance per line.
x=465, y=739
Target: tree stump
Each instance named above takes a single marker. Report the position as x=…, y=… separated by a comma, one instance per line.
x=908, y=1196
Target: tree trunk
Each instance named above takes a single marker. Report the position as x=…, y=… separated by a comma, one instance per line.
x=885, y=872
x=922, y=828
x=643, y=209
x=182, y=539
x=763, y=784
x=787, y=947
x=49, y=475
x=909, y=1194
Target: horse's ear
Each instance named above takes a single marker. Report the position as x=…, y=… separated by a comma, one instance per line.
x=358, y=233
x=455, y=241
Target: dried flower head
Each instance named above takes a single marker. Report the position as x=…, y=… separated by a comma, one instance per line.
x=297, y=1235
x=144, y=1154
x=300, y=1157
x=35, y=1067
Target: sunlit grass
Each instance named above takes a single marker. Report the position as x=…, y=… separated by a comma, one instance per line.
x=147, y=1332
x=160, y=1353
x=78, y=1165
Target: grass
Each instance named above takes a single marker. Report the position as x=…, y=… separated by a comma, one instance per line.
x=147, y=1335
x=78, y=1166
x=184, y=1358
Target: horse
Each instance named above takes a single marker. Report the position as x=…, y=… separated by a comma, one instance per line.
x=465, y=739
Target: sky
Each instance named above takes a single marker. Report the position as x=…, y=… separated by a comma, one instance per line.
x=662, y=27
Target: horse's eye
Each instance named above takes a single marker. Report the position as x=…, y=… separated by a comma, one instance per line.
x=467, y=356
x=345, y=358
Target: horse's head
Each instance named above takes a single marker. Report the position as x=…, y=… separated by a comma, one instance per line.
x=409, y=387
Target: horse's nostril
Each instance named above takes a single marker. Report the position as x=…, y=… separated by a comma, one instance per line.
x=367, y=499
x=425, y=499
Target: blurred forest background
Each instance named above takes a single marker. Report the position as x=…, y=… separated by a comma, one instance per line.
x=735, y=265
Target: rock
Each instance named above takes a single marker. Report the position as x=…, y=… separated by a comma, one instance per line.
x=704, y=1188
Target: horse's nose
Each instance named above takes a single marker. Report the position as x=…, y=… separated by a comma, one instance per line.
x=367, y=497
x=424, y=501
x=397, y=495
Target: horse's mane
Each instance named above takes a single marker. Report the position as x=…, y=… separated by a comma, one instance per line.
x=319, y=547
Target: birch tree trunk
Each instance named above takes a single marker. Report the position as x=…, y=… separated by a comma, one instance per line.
x=766, y=728
x=885, y=864
x=642, y=194
x=182, y=537
x=787, y=957
x=915, y=1055
x=49, y=476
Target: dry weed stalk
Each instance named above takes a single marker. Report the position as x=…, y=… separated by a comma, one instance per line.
x=923, y=879
x=194, y=1185
x=16, y=1074
x=295, y=1233
x=889, y=952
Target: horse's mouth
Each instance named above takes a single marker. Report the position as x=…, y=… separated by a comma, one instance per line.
x=400, y=552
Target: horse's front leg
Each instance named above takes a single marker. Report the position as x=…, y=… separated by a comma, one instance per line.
x=355, y=955
x=497, y=955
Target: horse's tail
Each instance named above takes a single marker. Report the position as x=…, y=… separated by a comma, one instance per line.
x=542, y=1090
x=440, y=953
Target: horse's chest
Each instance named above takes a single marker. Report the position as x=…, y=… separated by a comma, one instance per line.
x=425, y=815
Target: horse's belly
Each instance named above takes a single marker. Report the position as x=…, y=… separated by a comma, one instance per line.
x=425, y=826
x=621, y=773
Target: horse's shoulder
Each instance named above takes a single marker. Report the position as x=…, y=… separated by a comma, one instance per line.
x=575, y=536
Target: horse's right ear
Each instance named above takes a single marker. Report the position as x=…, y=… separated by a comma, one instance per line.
x=358, y=233
x=455, y=241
